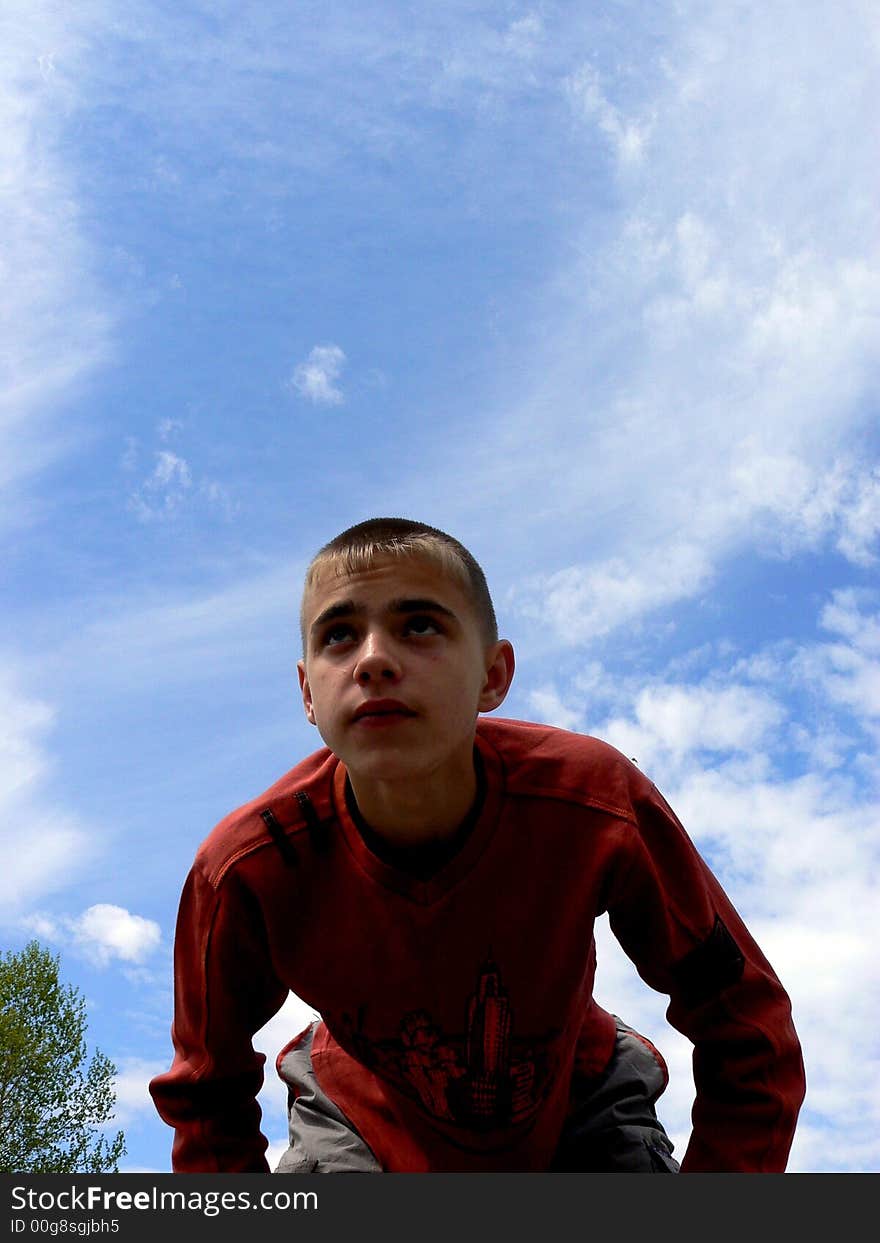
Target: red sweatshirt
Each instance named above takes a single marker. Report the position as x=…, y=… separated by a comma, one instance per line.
x=454, y=1009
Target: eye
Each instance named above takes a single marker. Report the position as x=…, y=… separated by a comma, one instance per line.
x=336, y=634
x=421, y=624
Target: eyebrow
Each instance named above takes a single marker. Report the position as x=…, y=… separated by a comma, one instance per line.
x=404, y=605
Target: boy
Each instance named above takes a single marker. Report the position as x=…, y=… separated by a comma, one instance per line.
x=428, y=883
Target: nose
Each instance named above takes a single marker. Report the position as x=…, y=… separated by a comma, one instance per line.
x=376, y=661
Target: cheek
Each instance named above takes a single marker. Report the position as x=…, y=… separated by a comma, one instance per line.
x=324, y=725
x=461, y=701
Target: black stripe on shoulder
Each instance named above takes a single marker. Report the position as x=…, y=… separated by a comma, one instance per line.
x=317, y=829
x=282, y=841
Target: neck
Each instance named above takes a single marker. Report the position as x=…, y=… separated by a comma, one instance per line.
x=411, y=811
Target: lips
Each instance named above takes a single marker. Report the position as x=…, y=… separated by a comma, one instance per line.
x=382, y=709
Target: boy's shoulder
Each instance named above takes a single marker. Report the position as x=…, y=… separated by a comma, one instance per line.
x=549, y=762
x=294, y=803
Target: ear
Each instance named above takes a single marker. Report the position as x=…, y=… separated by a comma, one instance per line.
x=500, y=665
x=306, y=691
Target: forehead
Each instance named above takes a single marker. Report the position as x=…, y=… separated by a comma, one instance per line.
x=387, y=579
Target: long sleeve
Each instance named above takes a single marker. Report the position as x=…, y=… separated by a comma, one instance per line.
x=224, y=991
x=675, y=922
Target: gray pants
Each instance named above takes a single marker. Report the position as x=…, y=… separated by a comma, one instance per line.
x=611, y=1125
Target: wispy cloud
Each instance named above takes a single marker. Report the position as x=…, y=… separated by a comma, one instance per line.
x=56, y=326
x=586, y=602
x=167, y=428
x=751, y=706
x=170, y=487
x=627, y=135
x=315, y=378
x=700, y=380
x=43, y=846
x=164, y=491
x=159, y=636
x=860, y=519
x=848, y=668
x=525, y=35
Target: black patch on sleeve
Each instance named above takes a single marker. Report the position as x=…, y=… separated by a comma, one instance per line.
x=712, y=966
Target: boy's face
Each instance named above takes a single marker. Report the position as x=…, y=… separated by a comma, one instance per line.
x=396, y=669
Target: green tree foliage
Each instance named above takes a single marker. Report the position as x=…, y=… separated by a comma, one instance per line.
x=52, y=1105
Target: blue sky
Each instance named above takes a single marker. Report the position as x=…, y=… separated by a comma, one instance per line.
x=595, y=288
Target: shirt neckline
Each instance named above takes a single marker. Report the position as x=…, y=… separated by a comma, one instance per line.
x=472, y=837
x=422, y=860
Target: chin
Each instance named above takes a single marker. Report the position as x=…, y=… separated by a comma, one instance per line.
x=385, y=764
x=384, y=770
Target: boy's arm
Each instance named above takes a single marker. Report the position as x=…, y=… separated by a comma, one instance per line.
x=224, y=991
x=675, y=922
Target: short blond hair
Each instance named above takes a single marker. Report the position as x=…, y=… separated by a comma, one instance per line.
x=359, y=547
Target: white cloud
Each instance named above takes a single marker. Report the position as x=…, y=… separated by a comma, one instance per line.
x=548, y=708
x=170, y=471
x=745, y=710
x=164, y=491
x=131, y=1084
x=315, y=378
x=218, y=497
x=797, y=848
x=705, y=377
x=166, y=428
x=42, y=846
x=671, y=723
x=847, y=671
x=583, y=603
x=799, y=506
x=55, y=323
x=170, y=486
x=845, y=615
x=276, y=1151
x=524, y=35
x=103, y=932
x=860, y=520
x=802, y=866
x=627, y=136
x=772, y=848
x=134, y=644
x=290, y=1020
x=24, y=722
